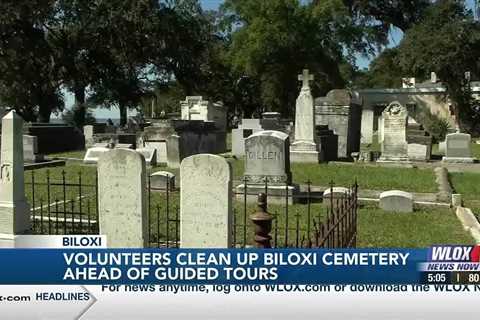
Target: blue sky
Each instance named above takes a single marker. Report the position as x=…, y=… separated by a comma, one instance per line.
x=362, y=62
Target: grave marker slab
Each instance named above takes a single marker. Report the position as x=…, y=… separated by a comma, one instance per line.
x=122, y=199
x=150, y=155
x=394, y=144
x=161, y=180
x=267, y=156
x=93, y=154
x=206, y=217
x=397, y=201
x=458, y=148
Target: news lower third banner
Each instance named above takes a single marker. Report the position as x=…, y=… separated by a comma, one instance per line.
x=435, y=265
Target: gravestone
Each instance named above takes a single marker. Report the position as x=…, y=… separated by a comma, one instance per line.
x=244, y=130
x=160, y=180
x=341, y=111
x=394, y=144
x=122, y=199
x=88, y=132
x=150, y=155
x=14, y=208
x=396, y=201
x=418, y=152
x=419, y=142
x=174, y=152
x=335, y=196
x=367, y=125
x=267, y=155
x=30, y=149
x=304, y=148
x=458, y=148
x=206, y=216
x=93, y=154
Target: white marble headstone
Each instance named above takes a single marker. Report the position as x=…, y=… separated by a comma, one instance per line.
x=122, y=198
x=14, y=208
x=206, y=217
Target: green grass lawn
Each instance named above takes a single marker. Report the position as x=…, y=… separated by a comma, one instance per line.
x=476, y=150
x=79, y=154
x=423, y=228
x=376, y=228
x=368, y=177
x=466, y=183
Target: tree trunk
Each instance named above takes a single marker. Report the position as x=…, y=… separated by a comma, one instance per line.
x=123, y=114
x=79, y=92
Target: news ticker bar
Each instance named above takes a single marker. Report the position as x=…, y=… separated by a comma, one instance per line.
x=86, y=260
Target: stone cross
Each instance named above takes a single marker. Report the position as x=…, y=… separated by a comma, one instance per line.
x=305, y=77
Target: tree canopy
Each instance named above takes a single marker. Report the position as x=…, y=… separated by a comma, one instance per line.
x=124, y=54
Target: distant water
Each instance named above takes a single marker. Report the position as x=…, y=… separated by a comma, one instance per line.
x=99, y=120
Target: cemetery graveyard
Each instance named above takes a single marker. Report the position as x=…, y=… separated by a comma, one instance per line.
x=190, y=180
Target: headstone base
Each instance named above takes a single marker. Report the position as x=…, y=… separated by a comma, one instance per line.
x=276, y=194
x=393, y=159
x=458, y=160
x=305, y=156
x=14, y=217
x=304, y=151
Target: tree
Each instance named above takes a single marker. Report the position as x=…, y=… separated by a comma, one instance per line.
x=29, y=78
x=383, y=72
x=451, y=50
x=272, y=41
x=402, y=14
x=71, y=33
x=130, y=34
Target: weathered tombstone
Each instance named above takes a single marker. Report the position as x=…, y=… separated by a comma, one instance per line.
x=396, y=201
x=30, y=149
x=14, y=208
x=160, y=180
x=368, y=117
x=88, y=132
x=267, y=155
x=244, y=130
x=394, y=144
x=335, y=195
x=458, y=148
x=341, y=111
x=150, y=155
x=442, y=145
x=93, y=154
x=206, y=216
x=174, y=152
x=304, y=148
x=122, y=199
x=381, y=124
x=418, y=152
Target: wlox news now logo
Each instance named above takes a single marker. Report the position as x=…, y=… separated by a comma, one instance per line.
x=451, y=253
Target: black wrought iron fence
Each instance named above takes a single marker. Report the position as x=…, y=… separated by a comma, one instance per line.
x=61, y=204
x=67, y=203
x=301, y=217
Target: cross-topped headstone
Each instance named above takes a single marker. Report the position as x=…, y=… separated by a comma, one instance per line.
x=305, y=77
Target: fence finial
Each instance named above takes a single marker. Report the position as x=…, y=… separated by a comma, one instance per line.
x=263, y=223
